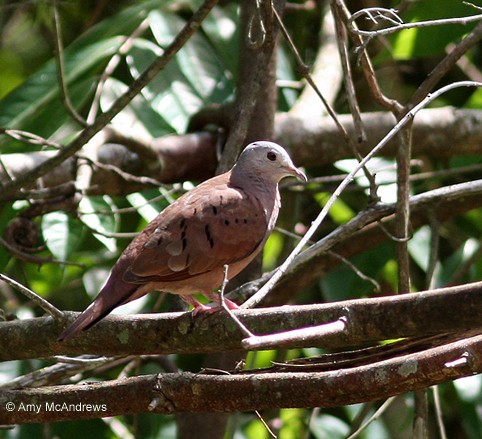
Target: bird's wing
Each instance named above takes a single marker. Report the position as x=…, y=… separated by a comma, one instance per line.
x=211, y=226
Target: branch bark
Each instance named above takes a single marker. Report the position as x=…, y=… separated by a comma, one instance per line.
x=440, y=133
x=10, y=187
x=187, y=392
x=368, y=320
x=363, y=232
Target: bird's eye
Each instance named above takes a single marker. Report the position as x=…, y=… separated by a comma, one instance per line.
x=271, y=156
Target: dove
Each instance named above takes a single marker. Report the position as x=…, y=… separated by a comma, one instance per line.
x=223, y=221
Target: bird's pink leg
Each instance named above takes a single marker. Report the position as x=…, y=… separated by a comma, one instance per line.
x=198, y=306
x=215, y=298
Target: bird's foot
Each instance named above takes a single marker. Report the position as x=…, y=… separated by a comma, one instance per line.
x=216, y=298
x=231, y=305
x=200, y=307
x=203, y=308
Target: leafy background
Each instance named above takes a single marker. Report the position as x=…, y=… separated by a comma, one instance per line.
x=203, y=73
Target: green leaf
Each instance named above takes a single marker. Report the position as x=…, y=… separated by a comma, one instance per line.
x=272, y=250
x=12, y=71
x=100, y=222
x=475, y=100
x=195, y=77
x=343, y=283
x=83, y=59
x=222, y=30
x=7, y=213
x=431, y=40
x=169, y=93
x=419, y=247
x=197, y=60
x=137, y=119
x=329, y=427
x=293, y=423
x=340, y=212
x=62, y=234
x=20, y=106
x=144, y=206
x=455, y=260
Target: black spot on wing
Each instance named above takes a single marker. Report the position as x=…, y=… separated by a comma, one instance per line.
x=183, y=226
x=207, y=231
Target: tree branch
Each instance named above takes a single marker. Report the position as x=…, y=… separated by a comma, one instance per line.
x=440, y=133
x=443, y=204
x=10, y=187
x=187, y=392
x=367, y=320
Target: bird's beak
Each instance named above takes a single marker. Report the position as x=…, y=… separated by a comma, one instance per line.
x=295, y=172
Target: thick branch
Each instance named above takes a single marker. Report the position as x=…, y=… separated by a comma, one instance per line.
x=442, y=133
x=188, y=157
x=363, y=232
x=12, y=186
x=188, y=392
x=437, y=311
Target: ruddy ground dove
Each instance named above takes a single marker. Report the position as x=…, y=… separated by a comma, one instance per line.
x=223, y=221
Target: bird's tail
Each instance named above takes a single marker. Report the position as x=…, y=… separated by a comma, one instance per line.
x=104, y=303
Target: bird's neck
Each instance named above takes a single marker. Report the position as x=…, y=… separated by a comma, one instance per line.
x=263, y=189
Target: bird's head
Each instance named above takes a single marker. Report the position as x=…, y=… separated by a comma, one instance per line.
x=267, y=161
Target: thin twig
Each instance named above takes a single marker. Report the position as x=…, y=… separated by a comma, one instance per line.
x=357, y=271
x=59, y=59
x=434, y=251
x=317, y=332
x=348, y=77
x=438, y=412
x=83, y=360
x=56, y=373
x=259, y=296
x=222, y=301
x=470, y=41
x=265, y=424
x=24, y=256
x=374, y=417
x=34, y=297
x=367, y=67
x=352, y=101
x=401, y=26
x=111, y=66
x=420, y=415
x=31, y=138
x=402, y=213
x=120, y=103
x=306, y=74
x=125, y=175
x=344, y=260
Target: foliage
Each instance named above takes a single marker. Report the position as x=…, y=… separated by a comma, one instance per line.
x=204, y=73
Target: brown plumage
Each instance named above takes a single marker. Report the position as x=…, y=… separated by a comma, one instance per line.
x=223, y=221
